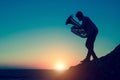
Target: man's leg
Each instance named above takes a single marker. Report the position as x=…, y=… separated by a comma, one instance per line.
x=90, y=45
x=88, y=56
x=94, y=56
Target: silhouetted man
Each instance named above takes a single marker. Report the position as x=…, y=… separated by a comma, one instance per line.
x=92, y=32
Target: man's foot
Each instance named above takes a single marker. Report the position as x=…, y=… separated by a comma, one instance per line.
x=95, y=59
x=85, y=60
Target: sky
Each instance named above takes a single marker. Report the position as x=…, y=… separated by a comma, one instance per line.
x=33, y=32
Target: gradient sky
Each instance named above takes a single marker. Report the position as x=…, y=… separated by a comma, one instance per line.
x=33, y=32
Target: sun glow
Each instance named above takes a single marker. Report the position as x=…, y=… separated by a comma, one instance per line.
x=60, y=67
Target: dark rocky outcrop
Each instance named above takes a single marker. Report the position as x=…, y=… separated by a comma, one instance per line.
x=105, y=68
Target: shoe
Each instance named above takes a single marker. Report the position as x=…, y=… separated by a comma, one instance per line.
x=85, y=60
x=95, y=59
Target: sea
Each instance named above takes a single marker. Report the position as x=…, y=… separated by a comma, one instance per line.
x=28, y=74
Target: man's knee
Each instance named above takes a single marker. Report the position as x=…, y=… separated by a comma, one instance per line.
x=89, y=46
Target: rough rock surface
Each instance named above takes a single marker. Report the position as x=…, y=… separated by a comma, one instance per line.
x=105, y=68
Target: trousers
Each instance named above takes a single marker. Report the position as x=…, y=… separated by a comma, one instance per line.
x=90, y=45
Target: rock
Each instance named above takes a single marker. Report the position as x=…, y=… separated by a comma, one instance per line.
x=105, y=68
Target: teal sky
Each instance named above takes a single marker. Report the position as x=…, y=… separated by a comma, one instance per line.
x=33, y=32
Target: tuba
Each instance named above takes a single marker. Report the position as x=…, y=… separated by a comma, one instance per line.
x=82, y=32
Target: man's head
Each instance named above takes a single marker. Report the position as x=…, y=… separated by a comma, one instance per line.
x=79, y=15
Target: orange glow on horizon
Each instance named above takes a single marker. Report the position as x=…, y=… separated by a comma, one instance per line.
x=60, y=66
x=57, y=57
